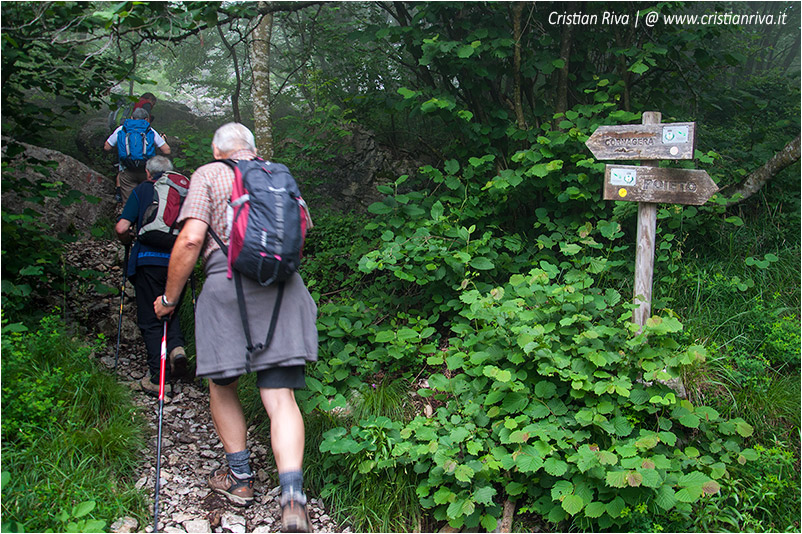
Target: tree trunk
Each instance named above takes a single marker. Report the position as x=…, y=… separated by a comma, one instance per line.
x=507, y=514
x=517, y=35
x=561, y=105
x=757, y=179
x=235, y=95
x=260, y=64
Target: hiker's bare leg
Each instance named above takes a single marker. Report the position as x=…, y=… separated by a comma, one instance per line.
x=229, y=421
x=286, y=428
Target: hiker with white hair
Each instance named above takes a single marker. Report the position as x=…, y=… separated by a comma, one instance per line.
x=221, y=331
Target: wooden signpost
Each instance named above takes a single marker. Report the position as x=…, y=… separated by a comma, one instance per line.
x=643, y=141
x=648, y=184
x=653, y=184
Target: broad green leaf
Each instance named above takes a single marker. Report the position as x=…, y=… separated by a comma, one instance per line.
x=514, y=488
x=485, y=495
x=689, y=495
x=545, y=389
x=573, y=504
x=651, y=478
x=622, y=426
x=83, y=508
x=607, y=458
x=529, y=462
x=689, y=420
x=407, y=334
x=616, y=479
x=94, y=525
x=489, y=523
x=570, y=249
x=595, y=509
x=556, y=514
x=665, y=498
x=555, y=467
x=459, y=434
x=437, y=210
x=380, y=208
x=407, y=93
x=463, y=473
x=749, y=454
x=615, y=507
x=639, y=67
x=384, y=336
x=743, y=428
x=481, y=263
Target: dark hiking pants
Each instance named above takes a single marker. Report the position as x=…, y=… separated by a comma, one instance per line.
x=149, y=283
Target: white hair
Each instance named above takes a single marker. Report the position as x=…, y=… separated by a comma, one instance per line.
x=232, y=137
x=158, y=164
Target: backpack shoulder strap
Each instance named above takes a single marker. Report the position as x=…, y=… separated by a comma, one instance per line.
x=233, y=164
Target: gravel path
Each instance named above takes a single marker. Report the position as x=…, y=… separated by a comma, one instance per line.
x=191, y=449
x=190, y=452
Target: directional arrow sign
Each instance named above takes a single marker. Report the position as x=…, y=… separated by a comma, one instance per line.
x=654, y=184
x=643, y=141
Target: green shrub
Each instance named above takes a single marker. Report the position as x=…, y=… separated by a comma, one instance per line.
x=542, y=400
x=781, y=345
x=761, y=496
x=70, y=435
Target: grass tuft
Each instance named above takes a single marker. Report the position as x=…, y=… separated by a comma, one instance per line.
x=70, y=434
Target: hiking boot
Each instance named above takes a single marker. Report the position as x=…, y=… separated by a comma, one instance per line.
x=238, y=491
x=178, y=362
x=153, y=389
x=294, y=517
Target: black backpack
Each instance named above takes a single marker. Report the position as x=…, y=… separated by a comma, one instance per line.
x=267, y=227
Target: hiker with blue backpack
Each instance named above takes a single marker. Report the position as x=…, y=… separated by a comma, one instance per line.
x=149, y=220
x=136, y=142
x=254, y=313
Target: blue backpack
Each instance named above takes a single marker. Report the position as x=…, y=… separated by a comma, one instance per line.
x=135, y=144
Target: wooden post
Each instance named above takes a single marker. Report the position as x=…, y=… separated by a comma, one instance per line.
x=644, y=256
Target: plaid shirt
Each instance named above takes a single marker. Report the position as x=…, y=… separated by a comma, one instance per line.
x=207, y=200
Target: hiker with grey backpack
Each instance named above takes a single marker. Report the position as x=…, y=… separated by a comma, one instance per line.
x=254, y=313
x=149, y=221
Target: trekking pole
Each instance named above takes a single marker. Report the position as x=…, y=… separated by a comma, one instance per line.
x=122, y=298
x=192, y=285
x=162, y=365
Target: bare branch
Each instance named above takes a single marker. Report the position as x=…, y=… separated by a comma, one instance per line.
x=758, y=178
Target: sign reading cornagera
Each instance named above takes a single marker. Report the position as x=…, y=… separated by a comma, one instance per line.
x=657, y=185
x=643, y=141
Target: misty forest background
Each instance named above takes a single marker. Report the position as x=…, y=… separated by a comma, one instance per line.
x=478, y=367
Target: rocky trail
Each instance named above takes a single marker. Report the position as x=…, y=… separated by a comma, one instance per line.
x=190, y=447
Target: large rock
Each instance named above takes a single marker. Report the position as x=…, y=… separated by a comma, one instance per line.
x=361, y=164
x=58, y=213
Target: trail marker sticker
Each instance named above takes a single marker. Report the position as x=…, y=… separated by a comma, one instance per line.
x=623, y=176
x=674, y=135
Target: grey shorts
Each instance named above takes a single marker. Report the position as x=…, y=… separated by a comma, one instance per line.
x=292, y=377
